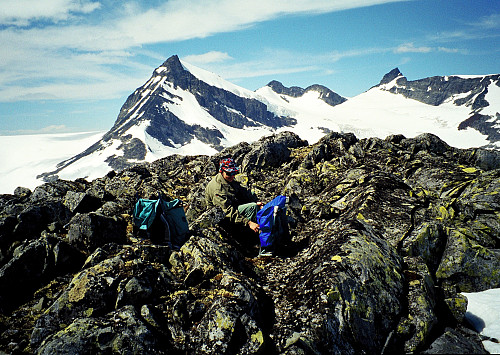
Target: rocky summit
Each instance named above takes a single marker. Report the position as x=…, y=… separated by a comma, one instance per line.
x=385, y=234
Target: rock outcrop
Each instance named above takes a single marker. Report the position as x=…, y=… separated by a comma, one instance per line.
x=385, y=235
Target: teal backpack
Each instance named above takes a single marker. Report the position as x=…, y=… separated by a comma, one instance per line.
x=163, y=221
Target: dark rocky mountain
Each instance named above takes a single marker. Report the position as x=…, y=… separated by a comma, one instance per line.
x=326, y=94
x=385, y=235
x=148, y=107
x=182, y=109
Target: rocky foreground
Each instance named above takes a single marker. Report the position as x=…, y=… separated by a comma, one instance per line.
x=385, y=234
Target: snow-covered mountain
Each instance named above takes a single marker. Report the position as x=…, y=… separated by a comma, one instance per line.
x=186, y=110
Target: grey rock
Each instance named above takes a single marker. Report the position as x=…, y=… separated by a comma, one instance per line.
x=121, y=331
x=455, y=341
x=91, y=230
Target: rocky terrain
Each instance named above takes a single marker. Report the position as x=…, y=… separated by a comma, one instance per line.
x=385, y=235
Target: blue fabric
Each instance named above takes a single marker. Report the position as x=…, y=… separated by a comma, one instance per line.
x=265, y=219
x=145, y=212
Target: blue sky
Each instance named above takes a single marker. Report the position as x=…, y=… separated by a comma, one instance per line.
x=69, y=65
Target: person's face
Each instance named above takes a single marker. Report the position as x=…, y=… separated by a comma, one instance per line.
x=228, y=177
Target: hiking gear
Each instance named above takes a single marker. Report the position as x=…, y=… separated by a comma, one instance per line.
x=145, y=213
x=266, y=251
x=229, y=166
x=163, y=221
x=228, y=196
x=273, y=223
x=174, y=218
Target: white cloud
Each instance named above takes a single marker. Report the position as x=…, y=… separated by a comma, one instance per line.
x=181, y=19
x=484, y=27
x=410, y=48
x=273, y=62
x=491, y=21
x=209, y=57
x=22, y=12
x=82, y=48
x=131, y=26
x=449, y=50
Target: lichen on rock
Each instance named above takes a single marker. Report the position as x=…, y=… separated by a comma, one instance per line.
x=384, y=235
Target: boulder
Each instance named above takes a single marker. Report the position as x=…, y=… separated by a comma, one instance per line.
x=36, y=218
x=35, y=263
x=457, y=341
x=468, y=266
x=234, y=321
x=121, y=331
x=88, y=231
x=99, y=289
x=270, y=152
x=80, y=202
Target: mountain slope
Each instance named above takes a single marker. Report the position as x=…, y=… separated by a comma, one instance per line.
x=186, y=110
x=480, y=94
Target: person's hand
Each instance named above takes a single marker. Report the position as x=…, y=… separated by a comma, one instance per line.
x=253, y=226
x=260, y=204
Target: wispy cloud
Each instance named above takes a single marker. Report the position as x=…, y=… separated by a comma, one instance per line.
x=209, y=57
x=23, y=12
x=410, y=48
x=56, y=47
x=450, y=50
x=484, y=27
x=274, y=62
x=491, y=21
x=174, y=20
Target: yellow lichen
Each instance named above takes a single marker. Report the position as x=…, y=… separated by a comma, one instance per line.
x=469, y=170
x=337, y=258
x=257, y=337
x=88, y=312
x=223, y=321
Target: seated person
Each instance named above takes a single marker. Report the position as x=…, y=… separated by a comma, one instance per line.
x=237, y=202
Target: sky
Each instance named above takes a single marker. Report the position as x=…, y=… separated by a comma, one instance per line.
x=69, y=65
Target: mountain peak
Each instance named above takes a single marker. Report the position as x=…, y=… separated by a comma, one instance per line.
x=327, y=95
x=171, y=65
x=279, y=88
x=390, y=76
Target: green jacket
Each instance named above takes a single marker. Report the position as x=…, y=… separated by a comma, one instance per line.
x=228, y=196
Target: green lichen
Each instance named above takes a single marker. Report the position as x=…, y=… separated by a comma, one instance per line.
x=333, y=295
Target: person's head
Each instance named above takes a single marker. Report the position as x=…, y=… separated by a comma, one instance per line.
x=228, y=169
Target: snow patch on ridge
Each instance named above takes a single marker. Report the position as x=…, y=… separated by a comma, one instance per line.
x=217, y=81
x=493, y=98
